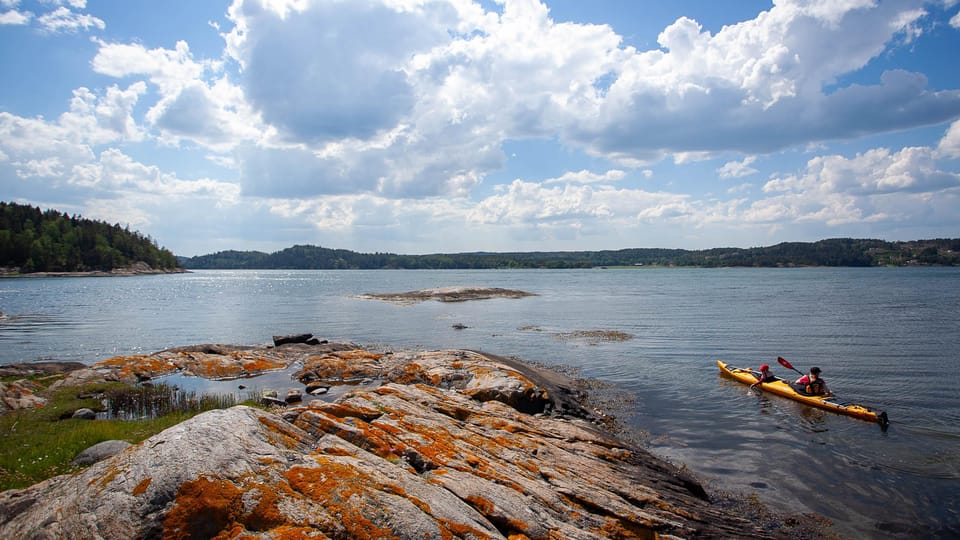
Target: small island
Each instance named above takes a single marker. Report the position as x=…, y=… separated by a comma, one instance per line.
x=448, y=294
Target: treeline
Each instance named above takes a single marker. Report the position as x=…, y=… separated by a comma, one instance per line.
x=833, y=252
x=34, y=240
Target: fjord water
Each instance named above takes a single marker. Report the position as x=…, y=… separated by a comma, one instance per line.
x=884, y=337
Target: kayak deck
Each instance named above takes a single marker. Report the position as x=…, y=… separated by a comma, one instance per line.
x=783, y=388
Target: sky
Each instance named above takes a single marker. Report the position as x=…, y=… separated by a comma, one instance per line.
x=426, y=126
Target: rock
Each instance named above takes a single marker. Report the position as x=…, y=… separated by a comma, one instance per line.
x=292, y=338
x=84, y=414
x=220, y=362
x=20, y=394
x=39, y=368
x=271, y=401
x=459, y=326
x=294, y=396
x=99, y=452
x=444, y=448
x=316, y=388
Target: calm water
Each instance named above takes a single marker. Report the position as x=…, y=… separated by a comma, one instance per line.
x=884, y=337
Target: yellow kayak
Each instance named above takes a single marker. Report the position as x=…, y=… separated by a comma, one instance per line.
x=783, y=388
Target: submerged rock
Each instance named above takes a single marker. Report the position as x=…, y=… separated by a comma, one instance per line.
x=450, y=444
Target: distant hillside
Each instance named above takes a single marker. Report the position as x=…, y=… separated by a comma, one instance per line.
x=833, y=252
x=32, y=240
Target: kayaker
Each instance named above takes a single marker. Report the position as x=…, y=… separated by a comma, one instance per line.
x=764, y=376
x=812, y=384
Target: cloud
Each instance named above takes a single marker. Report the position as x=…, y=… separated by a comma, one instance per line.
x=341, y=76
x=15, y=18
x=166, y=68
x=955, y=21
x=586, y=177
x=530, y=203
x=63, y=20
x=321, y=71
x=874, y=186
x=949, y=146
x=195, y=103
x=762, y=84
x=738, y=169
x=92, y=120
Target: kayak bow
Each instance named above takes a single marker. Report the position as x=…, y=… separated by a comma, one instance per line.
x=783, y=388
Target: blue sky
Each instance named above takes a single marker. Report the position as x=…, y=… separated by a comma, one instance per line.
x=423, y=126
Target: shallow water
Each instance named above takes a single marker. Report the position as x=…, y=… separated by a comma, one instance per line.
x=884, y=337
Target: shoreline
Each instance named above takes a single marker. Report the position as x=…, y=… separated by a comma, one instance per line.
x=93, y=273
x=501, y=434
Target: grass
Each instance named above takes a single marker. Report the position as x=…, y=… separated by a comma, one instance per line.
x=36, y=444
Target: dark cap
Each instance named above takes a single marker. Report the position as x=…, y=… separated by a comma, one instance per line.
x=815, y=370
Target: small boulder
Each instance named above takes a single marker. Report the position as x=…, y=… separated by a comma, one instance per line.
x=294, y=396
x=316, y=388
x=84, y=414
x=271, y=399
x=100, y=452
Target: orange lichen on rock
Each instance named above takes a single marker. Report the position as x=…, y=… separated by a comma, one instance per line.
x=203, y=508
x=461, y=530
x=141, y=488
x=343, y=491
x=353, y=430
x=136, y=366
x=484, y=506
x=283, y=432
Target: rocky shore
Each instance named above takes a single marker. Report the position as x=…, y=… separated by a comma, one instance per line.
x=426, y=444
x=136, y=269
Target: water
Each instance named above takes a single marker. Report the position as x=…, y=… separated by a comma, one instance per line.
x=884, y=337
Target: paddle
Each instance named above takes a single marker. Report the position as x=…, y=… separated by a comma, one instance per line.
x=784, y=363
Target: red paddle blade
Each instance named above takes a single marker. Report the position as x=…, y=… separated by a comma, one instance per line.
x=784, y=363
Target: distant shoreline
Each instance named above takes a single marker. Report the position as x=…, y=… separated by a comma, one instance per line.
x=94, y=273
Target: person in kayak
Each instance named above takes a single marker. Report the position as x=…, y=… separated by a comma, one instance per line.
x=764, y=375
x=812, y=384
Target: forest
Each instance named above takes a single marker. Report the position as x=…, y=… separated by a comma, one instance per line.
x=832, y=252
x=35, y=240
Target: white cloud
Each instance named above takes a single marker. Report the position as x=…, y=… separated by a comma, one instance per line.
x=168, y=69
x=586, y=177
x=955, y=21
x=761, y=84
x=533, y=203
x=63, y=19
x=210, y=112
x=949, y=146
x=91, y=121
x=15, y=18
x=738, y=169
x=75, y=4
x=874, y=186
